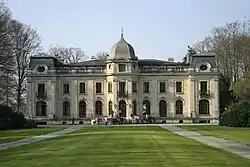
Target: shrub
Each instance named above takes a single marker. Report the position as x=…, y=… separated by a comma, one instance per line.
x=30, y=124
x=237, y=115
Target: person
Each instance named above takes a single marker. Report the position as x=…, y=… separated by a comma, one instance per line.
x=106, y=120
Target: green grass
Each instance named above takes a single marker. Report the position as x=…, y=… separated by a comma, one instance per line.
x=241, y=135
x=12, y=135
x=119, y=147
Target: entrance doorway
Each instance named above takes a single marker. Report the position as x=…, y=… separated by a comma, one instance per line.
x=122, y=107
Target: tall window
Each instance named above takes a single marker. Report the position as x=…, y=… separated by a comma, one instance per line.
x=110, y=108
x=66, y=109
x=162, y=87
x=122, y=87
x=82, y=109
x=163, y=108
x=41, y=108
x=98, y=108
x=110, y=87
x=134, y=86
x=82, y=87
x=41, y=88
x=178, y=87
x=203, y=86
x=65, y=88
x=146, y=87
x=204, y=107
x=122, y=67
x=98, y=87
x=179, y=107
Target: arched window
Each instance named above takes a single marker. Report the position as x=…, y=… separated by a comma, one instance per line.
x=66, y=109
x=204, y=107
x=134, y=108
x=110, y=108
x=41, y=108
x=98, y=107
x=147, y=104
x=82, y=109
x=178, y=107
x=163, y=108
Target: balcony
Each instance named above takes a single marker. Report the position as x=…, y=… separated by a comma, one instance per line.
x=41, y=95
x=122, y=94
x=204, y=93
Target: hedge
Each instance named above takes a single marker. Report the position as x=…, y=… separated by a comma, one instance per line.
x=237, y=115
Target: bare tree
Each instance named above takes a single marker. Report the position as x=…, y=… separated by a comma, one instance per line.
x=7, y=65
x=231, y=45
x=69, y=55
x=101, y=56
x=26, y=43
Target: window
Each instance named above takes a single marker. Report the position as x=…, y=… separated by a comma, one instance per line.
x=82, y=109
x=203, y=107
x=178, y=87
x=179, y=107
x=203, y=86
x=98, y=87
x=41, y=108
x=98, y=108
x=146, y=87
x=122, y=67
x=110, y=87
x=163, y=108
x=66, y=109
x=134, y=86
x=203, y=67
x=40, y=69
x=65, y=88
x=110, y=108
x=82, y=87
x=122, y=87
x=41, y=88
x=162, y=87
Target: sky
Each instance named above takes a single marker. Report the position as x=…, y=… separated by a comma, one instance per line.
x=155, y=28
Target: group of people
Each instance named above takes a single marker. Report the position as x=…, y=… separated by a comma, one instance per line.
x=114, y=119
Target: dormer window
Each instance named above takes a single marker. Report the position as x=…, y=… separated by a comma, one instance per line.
x=203, y=67
x=122, y=67
x=40, y=69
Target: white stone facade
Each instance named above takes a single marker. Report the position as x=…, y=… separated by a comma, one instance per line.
x=193, y=85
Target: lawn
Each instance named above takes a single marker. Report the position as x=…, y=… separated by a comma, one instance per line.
x=241, y=135
x=12, y=135
x=119, y=147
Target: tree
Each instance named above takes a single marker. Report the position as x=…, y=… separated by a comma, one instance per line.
x=26, y=43
x=242, y=88
x=231, y=45
x=5, y=42
x=69, y=55
x=7, y=64
x=101, y=56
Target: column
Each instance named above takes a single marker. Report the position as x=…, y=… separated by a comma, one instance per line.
x=74, y=99
x=215, y=103
x=192, y=97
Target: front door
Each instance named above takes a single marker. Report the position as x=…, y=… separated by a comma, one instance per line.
x=122, y=107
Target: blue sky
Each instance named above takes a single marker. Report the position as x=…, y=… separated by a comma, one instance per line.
x=155, y=28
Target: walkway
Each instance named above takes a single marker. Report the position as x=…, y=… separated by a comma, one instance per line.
x=34, y=139
x=230, y=146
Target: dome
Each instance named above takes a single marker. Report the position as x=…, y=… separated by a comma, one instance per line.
x=122, y=50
